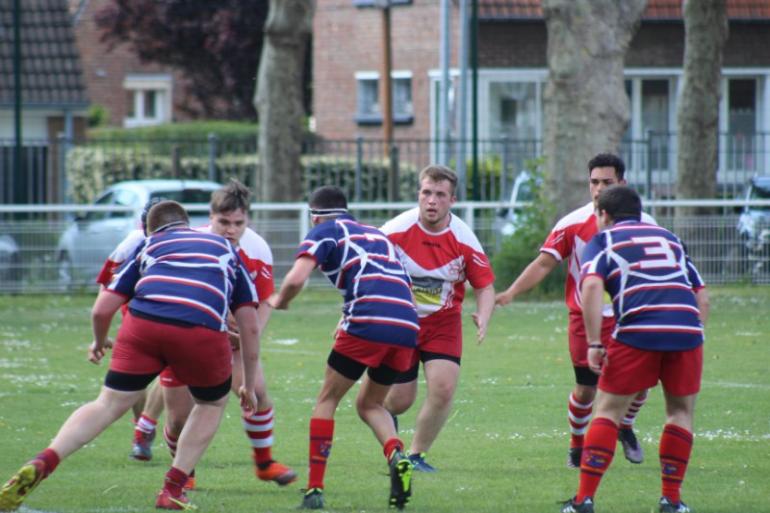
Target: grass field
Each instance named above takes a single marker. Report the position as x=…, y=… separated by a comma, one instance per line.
x=503, y=449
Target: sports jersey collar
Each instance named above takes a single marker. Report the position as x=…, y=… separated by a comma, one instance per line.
x=440, y=232
x=626, y=220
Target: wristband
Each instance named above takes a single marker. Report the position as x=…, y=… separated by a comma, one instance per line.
x=595, y=346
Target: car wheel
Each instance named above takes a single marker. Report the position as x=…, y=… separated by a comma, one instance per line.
x=65, y=272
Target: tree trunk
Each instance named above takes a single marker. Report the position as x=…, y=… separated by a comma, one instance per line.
x=279, y=99
x=705, y=25
x=585, y=102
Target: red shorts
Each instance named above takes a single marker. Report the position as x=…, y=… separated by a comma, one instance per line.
x=630, y=370
x=578, y=343
x=168, y=379
x=441, y=333
x=373, y=354
x=198, y=356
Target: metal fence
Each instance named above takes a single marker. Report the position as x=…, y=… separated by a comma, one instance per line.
x=53, y=170
x=32, y=259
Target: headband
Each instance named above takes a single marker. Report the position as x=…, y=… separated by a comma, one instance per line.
x=328, y=211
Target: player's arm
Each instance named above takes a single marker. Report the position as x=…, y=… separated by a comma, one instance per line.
x=105, y=306
x=533, y=274
x=246, y=318
x=702, y=299
x=592, y=302
x=485, y=305
x=293, y=282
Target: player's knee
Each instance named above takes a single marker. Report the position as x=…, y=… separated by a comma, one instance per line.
x=441, y=393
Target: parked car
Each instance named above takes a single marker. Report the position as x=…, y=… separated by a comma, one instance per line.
x=10, y=269
x=754, y=228
x=91, y=237
x=521, y=193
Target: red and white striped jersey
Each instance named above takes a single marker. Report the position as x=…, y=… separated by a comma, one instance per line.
x=439, y=263
x=567, y=240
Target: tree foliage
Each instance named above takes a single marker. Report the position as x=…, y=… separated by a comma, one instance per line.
x=216, y=45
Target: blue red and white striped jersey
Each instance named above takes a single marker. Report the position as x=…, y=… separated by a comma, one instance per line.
x=363, y=265
x=185, y=275
x=652, y=284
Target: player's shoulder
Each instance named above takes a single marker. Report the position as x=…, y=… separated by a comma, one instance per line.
x=464, y=234
x=254, y=245
x=402, y=222
x=576, y=218
x=128, y=245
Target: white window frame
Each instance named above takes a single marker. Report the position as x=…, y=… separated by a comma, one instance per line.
x=398, y=117
x=138, y=84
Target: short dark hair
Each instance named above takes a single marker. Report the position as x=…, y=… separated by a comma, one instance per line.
x=328, y=197
x=165, y=214
x=620, y=201
x=231, y=197
x=608, y=160
x=439, y=173
x=153, y=201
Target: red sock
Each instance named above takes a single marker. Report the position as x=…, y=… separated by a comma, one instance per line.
x=175, y=481
x=144, y=426
x=171, y=441
x=579, y=416
x=633, y=410
x=50, y=459
x=675, y=448
x=259, y=429
x=392, y=444
x=321, y=434
x=598, y=450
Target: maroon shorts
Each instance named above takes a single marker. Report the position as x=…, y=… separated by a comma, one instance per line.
x=440, y=333
x=198, y=356
x=373, y=354
x=168, y=379
x=630, y=370
x=578, y=342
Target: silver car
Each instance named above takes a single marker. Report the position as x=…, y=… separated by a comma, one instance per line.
x=91, y=237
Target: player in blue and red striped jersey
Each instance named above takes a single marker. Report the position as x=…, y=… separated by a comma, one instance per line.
x=378, y=331
x=661, y=305
x=180, y=286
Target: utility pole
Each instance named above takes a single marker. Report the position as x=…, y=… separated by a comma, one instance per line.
x=462, y=129
x=386, y=91
x=17, y=102
x=445, y=51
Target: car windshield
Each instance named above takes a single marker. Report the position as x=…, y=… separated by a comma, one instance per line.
x=759, y=193
x=184, y=196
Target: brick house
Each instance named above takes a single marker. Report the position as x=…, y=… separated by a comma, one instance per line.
x=132, y=92
x=54, y=98
x=513, y=70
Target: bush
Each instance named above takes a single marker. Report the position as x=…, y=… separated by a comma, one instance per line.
x=91, y=169
x=532, y=228
x=198, y=130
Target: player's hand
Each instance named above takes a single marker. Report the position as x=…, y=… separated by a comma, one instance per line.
x=96, y=351
x=235, y=339
x=275, y=302
x=597, y=358
x=503, y=298
x=248, y=400
x=481, y=330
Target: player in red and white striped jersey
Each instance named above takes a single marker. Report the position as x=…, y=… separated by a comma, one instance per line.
x=566, y=242
x=440, y=253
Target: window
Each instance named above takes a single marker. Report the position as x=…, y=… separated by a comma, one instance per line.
x=380, y=3
x=368, y=108
x=741, y=123
x=148, y=99
x=513, y=110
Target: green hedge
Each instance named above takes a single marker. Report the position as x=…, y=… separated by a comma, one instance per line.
x=178, y=131
x=90, y=169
